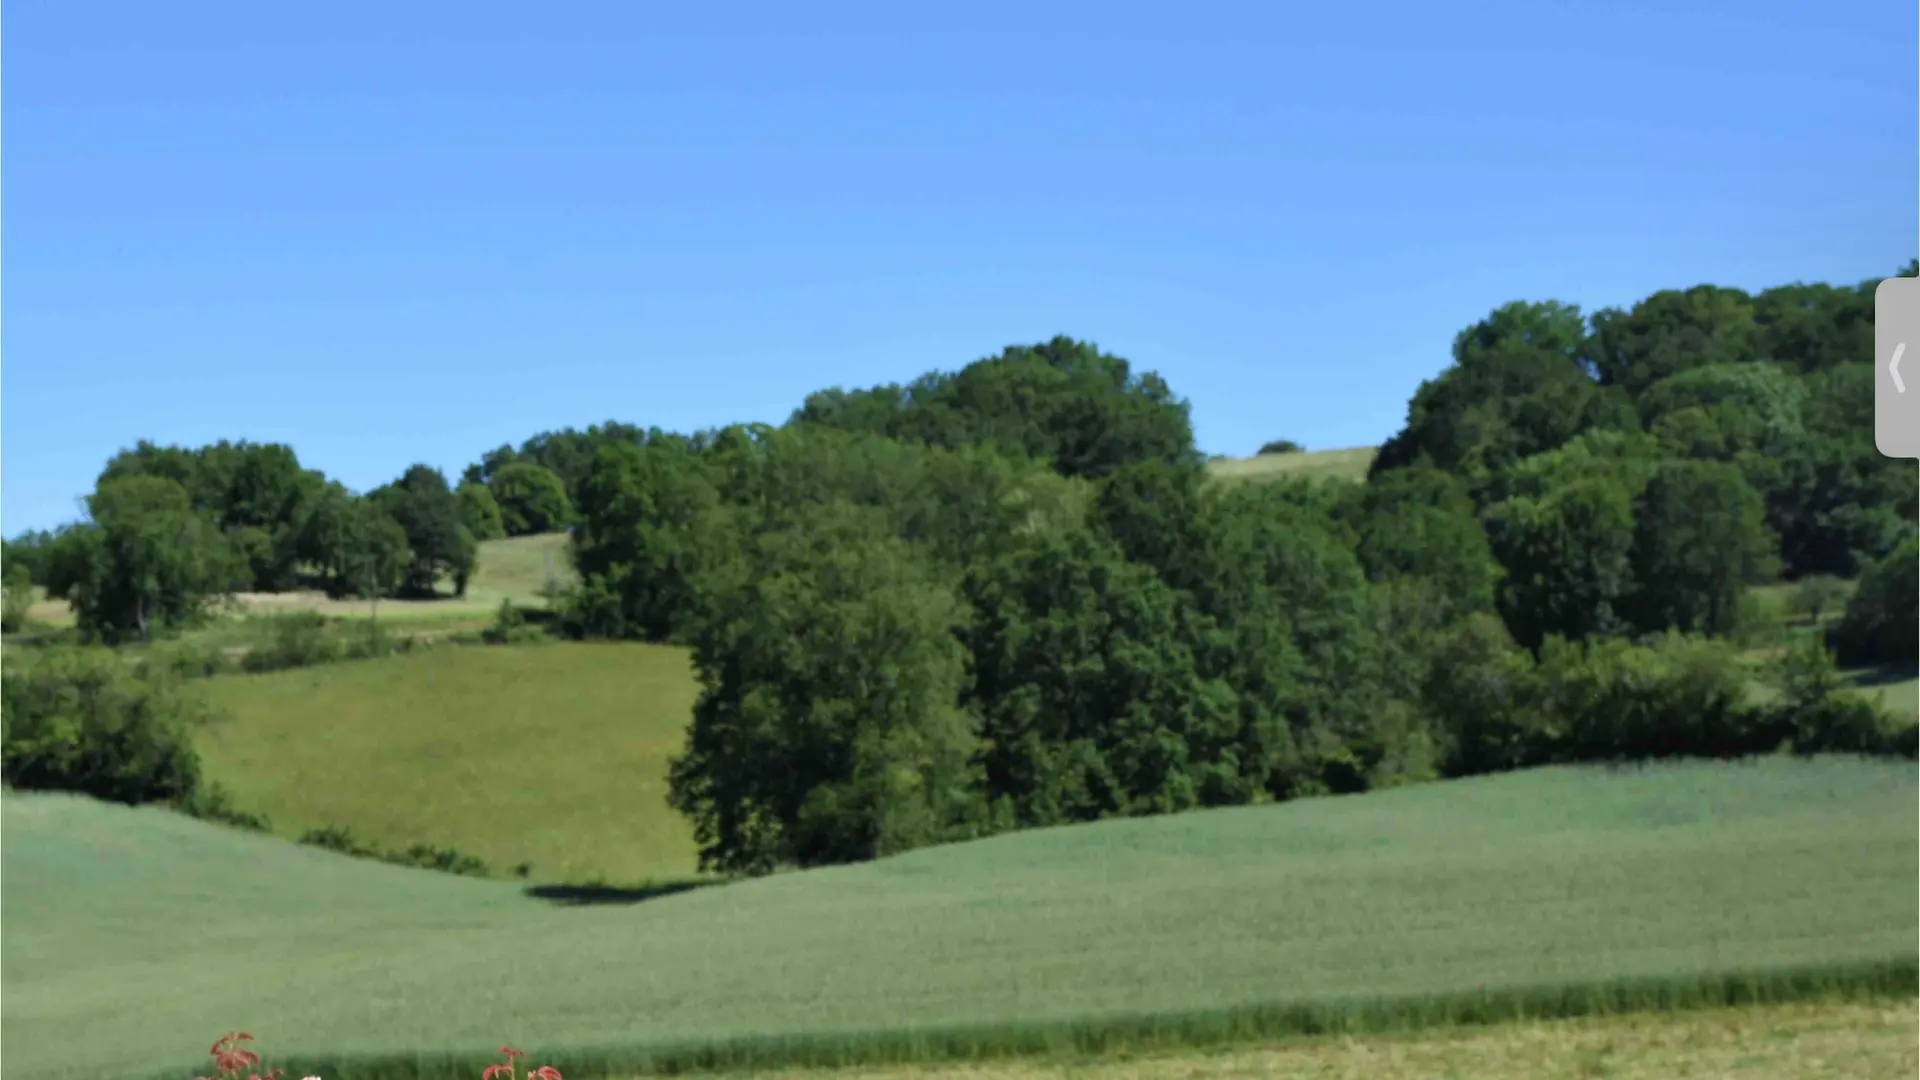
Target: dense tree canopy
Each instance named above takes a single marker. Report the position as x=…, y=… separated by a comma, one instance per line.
x=1064, y=402
x=1009, y=595
x=429, y=515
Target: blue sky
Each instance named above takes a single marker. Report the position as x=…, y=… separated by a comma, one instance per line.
x=399, y=232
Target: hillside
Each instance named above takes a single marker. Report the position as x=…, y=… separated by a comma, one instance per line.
x=554, y=755
x=118, y=919
x=1350, y=464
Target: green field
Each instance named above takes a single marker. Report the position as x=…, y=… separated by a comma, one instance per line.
x=1348, y=464
x=550, y=754
x=134, y=935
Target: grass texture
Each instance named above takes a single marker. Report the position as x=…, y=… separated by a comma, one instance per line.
x=1862, y=1040
x=1348, y=464
x=1554, y=892
x=554, y=755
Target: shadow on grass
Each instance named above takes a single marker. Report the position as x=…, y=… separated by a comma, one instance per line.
x=1882, y=676
x=594, y=893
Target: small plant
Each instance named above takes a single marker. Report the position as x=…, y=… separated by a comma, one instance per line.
x=510, y=627
x=231, y=1060
x=294, y=639
x=505, y=1071
x=423, y=856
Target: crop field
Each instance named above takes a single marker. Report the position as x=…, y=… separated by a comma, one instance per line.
x=554, y=755
x=1549, y=892
x=1350, y=464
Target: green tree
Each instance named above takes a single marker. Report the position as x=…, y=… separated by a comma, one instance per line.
x=1091, y=698
x=1817, y=595
x=828, y=728
x=1672, y=331
x=1419, y=524
x=17, y=597
x=254, y=492
x=531, y=497
x=1520, y=384
x=359, y=549
x=1567, y=559
x=1479, y=691
x=145, y=561
x=1699, y=540
x=1562, y=531
x=479, y=512
x=426, y=510
x=1882, y=620
x=1815, y=327
x=1062, y=401
x=1303, y=643
x=1280, y=446
x=30, y=549
x=650, y=523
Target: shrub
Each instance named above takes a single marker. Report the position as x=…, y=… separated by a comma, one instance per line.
x=85, y=720
x=16, y=595
x=1281, y=446
x=1814, y=711
x=189, y=660
x=366, y=639
x=510, y=627
x=213, y=802
x=341, y=839
x=293, y=639
x=1677, y=696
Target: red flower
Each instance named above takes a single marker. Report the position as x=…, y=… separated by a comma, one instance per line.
x=545, y=1072
x=512, y=1053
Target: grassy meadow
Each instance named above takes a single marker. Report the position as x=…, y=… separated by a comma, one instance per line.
x=550, y=754
x=1545, y=892
x=1349, y=464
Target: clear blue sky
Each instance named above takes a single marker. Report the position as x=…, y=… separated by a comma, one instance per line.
x=408, y=231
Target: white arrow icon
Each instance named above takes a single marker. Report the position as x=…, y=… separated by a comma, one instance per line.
x=1893, y=368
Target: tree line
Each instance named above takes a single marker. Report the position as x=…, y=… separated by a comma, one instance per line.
x=1007, y=596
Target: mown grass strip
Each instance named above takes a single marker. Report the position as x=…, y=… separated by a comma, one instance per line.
x=1888, y=979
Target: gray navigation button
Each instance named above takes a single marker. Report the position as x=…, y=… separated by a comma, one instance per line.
x=1896, y=406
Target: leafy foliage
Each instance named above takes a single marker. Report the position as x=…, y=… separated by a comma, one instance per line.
x=427, y=512
x=85, y=720
x=1063, y=401
x=531, y=498
x=145, y=561
x=1008, y=595
x=829, y=729
x=1882, y=620
x=17, y=580
x=479, y=512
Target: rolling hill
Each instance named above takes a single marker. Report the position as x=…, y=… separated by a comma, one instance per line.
x=1350, y=464
x=146, y=934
